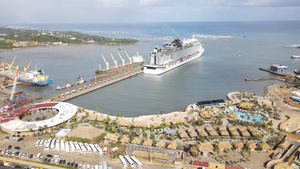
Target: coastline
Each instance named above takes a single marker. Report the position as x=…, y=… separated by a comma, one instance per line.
x=178, y=117
x=148, y=121
x=83, y=44
x=20, y=38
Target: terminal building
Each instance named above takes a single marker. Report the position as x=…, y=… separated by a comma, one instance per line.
x=210, y=102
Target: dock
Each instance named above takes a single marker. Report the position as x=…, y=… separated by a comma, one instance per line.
x=78, y=90
x=265, y=78
x=279, y=73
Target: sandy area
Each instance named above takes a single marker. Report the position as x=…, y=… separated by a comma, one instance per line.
x=277, y=95
x=85, y=131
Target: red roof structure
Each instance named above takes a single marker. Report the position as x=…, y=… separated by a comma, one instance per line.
x=200, y=163
x=233, y=167
x=16, y=113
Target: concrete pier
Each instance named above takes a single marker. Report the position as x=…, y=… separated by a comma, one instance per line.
x=265, y=78
x=78, y=90
x=279, y=73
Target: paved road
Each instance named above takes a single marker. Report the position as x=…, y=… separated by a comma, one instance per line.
x=28, y=163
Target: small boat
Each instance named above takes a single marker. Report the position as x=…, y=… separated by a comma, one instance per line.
x=58, y=88
x=295, y=57
x=79, y=80
x=297, y=71
x=67, y=85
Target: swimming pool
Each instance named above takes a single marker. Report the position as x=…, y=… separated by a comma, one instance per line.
x=253, y=118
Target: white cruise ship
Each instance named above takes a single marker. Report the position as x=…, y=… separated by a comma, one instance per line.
x=172, y=55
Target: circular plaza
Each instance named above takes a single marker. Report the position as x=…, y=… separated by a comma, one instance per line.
x=36, y=116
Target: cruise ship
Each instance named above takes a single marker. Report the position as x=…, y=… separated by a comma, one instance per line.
x=172, y=55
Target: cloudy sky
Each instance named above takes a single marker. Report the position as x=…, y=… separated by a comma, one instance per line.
x=111, y=11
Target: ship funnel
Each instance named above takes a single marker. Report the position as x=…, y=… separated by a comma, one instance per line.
x=106, y=63
x=123, y=61
x=116, y=63
x=129, y=58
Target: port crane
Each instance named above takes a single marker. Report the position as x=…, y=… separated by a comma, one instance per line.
x=115, y=61
x=10, y=66
x=27, y=67
x=13, y=90
x=106, y=63
x=129, y=58
x=122, y=59
x=3, y=67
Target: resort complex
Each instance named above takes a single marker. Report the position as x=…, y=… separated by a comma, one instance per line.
x=208, y=134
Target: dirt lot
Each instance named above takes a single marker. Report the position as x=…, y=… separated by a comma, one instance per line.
x=85, y=131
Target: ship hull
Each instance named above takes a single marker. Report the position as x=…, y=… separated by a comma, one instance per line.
x=150, y=69
x=29, y=83
x=117, y=70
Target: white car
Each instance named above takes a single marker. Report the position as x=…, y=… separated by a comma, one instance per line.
x=6, y=164
x=56, y=157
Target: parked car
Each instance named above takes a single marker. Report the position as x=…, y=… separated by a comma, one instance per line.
x=20, y=139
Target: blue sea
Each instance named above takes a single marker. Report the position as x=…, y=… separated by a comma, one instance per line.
x=222, y=68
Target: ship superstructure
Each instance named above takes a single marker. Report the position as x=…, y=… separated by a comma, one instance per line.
x=172, y=55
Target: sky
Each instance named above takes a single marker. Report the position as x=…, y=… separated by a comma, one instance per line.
x=127, y=11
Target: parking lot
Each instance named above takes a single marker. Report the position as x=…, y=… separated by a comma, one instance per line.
x=26, y=149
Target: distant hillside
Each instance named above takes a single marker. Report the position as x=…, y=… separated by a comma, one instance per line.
x=21, y=38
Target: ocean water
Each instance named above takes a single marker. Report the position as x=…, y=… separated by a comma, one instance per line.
x=221, y=69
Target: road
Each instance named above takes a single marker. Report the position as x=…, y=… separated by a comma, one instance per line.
x=28, y=163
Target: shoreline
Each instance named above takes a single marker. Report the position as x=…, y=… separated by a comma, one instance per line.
x=167, y=119
x=83, y=44
x=20, y=38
